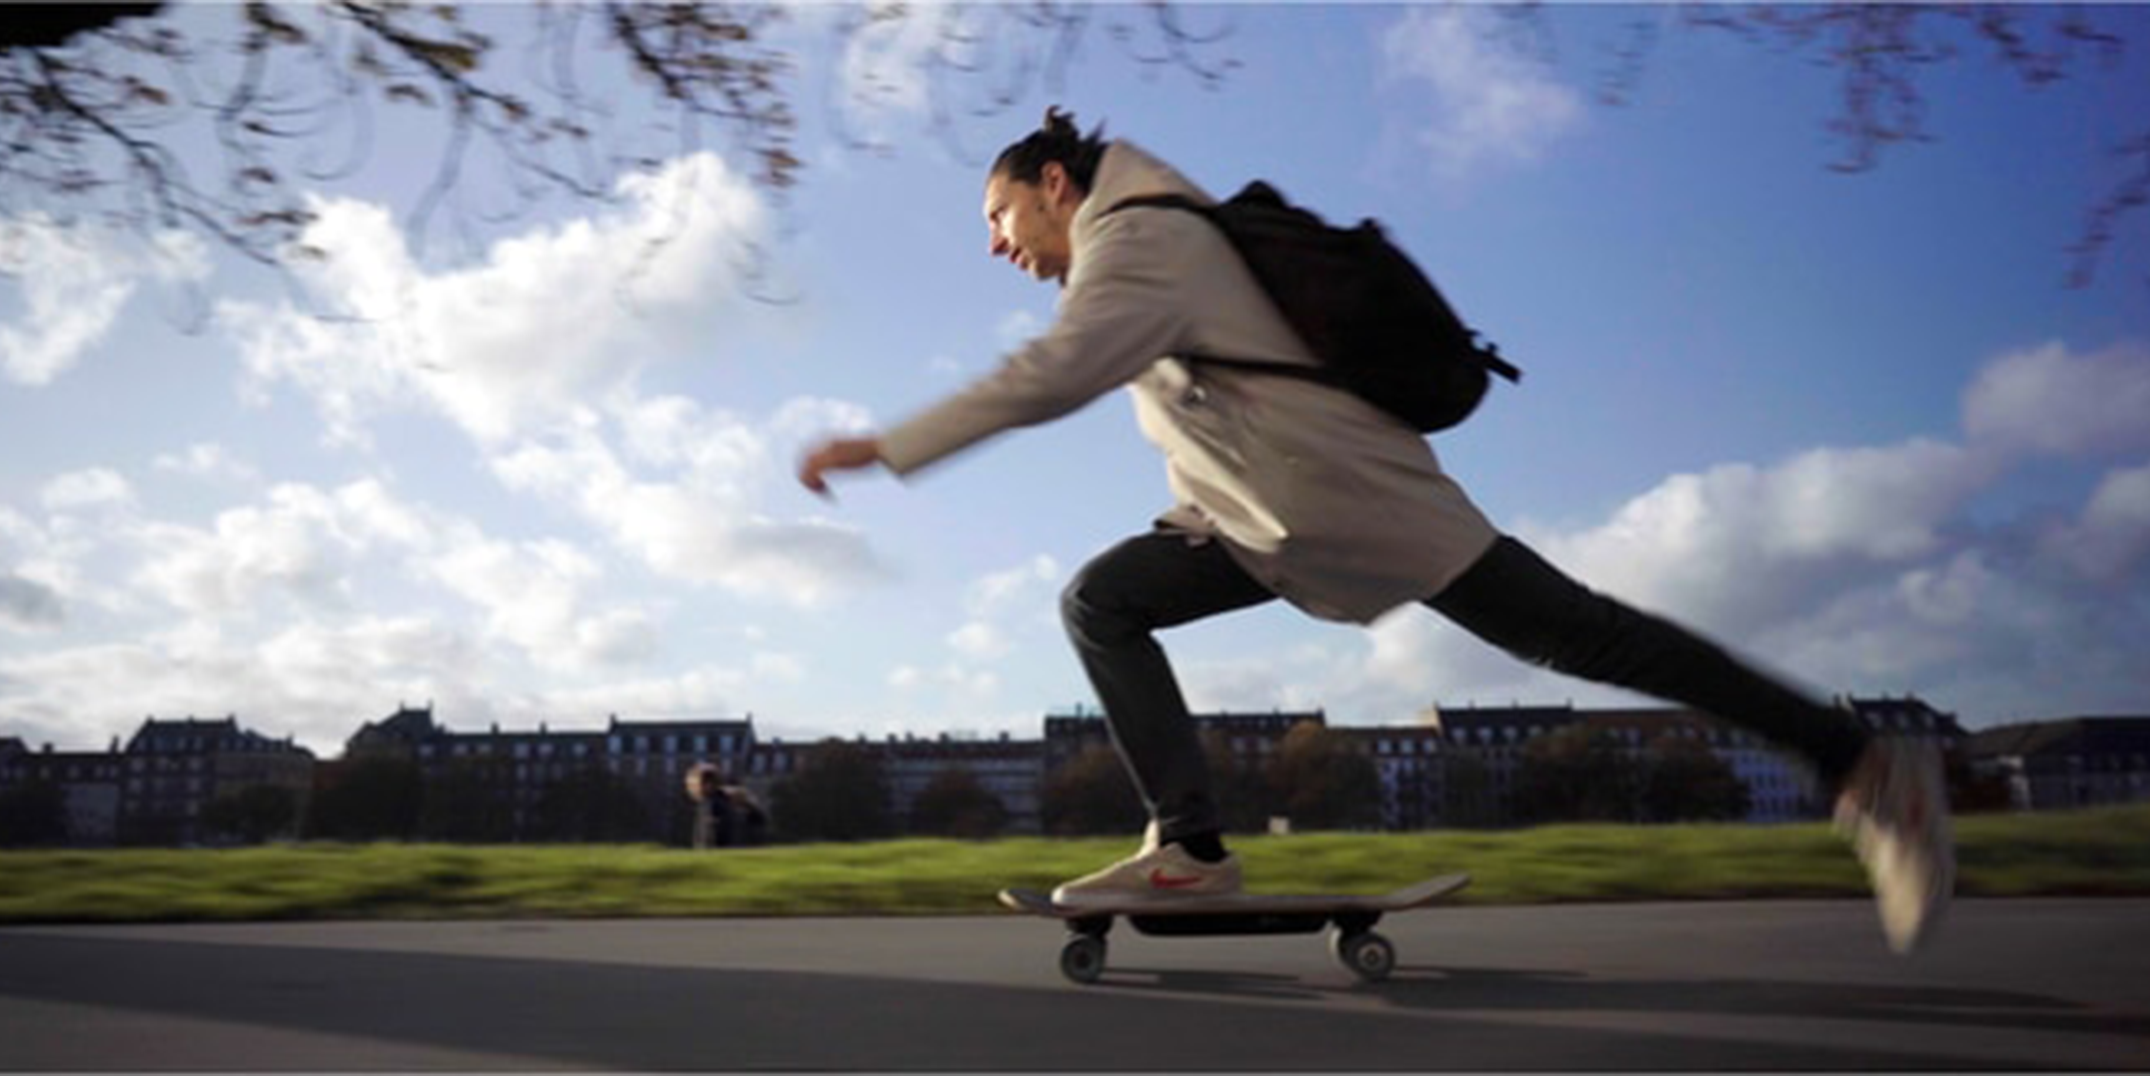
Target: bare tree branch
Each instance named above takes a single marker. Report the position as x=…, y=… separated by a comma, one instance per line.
x=90, y=96
x=1882, y=55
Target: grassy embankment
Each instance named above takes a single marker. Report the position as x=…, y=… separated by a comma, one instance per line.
x=2104, y=852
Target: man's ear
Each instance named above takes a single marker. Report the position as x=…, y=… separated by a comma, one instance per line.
x=1057, y=183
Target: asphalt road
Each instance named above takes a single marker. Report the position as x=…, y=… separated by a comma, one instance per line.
x=2020, y=985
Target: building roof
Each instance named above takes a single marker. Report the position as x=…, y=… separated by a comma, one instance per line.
x=194, y=736
x=1907, y=714
x=1003, y=747
x=719, y=726
x=1275, y=720
x=2067, y=736
x=408, y=725
x=1459, y=721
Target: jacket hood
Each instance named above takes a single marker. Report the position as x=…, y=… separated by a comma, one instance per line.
x=1128, y=171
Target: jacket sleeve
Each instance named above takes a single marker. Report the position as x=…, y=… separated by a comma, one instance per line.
x=1118, y=315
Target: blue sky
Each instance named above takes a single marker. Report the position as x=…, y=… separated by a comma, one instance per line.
x=1856, y=426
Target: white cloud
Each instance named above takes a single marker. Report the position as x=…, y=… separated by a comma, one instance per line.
x=532, y=354
x=28, y=604
x=2052, y=400
x=1862, y=570
x=698, y=522
x=302, y=610
x=303, y=544
x=312, y=681
x=616, y=638
x=779, y=668
x=1488, y=105
x=2112, y=537
x=206, y=460
x=994, y=597
x=87, y=491
x=697, y=692
x=75, y=281
x=979, y=641
x=993, y=594
x=537, y=596
x=305, y=550
x=967, y=684
x=44, y=563
x=1738, y=545
x=802, y=419
x=522, y=342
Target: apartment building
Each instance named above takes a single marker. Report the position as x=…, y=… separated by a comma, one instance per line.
x=88, y=783
x=1012, y=770
x=1481, y=751
x=1451, y=767
x=174, y=769
x=2067, y=763
x=155, y=788
x=506, y=775
x=1411, y=762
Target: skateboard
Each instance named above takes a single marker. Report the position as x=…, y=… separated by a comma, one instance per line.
x=1352, y=941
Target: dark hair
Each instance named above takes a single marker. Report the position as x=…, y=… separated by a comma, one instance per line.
x=1058, y=141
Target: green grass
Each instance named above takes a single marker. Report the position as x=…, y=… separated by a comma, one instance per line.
x=2100, y=852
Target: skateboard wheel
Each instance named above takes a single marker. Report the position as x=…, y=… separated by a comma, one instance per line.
x=1082, y=959
x=1369, y=955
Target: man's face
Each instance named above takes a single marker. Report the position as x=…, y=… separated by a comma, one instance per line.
x=1028, y=222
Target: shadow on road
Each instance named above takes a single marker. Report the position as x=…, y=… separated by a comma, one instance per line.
x=1454, y=989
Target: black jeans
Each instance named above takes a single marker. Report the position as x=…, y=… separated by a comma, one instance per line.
x=1510, y=598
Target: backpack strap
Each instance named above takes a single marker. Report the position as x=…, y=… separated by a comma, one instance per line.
x=1320, y=372
x=1484, y=352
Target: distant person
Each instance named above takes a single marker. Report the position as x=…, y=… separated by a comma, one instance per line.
x=712, y=808
x=1288, y=488
x=725, y=815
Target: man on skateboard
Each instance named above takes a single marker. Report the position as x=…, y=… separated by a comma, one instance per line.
x=1285, y=487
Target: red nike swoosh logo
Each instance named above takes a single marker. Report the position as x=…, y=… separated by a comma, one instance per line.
x=1161, y=880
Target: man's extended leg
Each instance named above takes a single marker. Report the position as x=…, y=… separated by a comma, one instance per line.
x=1515, y=600
x=1144, y=584
x=1890, y=795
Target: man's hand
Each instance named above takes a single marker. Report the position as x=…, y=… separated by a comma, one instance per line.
x=841, y=454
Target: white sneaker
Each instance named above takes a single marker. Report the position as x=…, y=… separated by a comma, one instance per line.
x=1894, y=807
x=1154, y=873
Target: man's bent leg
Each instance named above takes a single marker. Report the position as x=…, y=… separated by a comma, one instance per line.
x=1515, y=600
x=1158, y=580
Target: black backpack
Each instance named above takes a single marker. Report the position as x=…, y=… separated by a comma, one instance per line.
x=1380, y=328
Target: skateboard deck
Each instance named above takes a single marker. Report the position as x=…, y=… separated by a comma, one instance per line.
x=1353, y=916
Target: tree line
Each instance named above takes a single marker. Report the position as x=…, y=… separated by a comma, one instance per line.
x=1315, y=778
